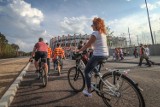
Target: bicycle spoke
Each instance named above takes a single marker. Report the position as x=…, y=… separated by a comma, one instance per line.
x=76, y=79
x=122, y=94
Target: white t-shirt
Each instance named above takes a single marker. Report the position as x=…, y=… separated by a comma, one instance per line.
x=100, y=45
x=147, y=51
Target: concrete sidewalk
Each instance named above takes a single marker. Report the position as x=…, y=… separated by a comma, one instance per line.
x=132, y=59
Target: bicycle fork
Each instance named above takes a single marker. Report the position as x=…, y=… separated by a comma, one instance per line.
x=112, y=88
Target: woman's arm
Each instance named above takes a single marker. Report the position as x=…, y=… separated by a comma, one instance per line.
x=88, y=44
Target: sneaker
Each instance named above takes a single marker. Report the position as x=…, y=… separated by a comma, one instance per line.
x=86, y=93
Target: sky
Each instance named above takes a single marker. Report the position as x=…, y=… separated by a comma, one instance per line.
x=24, y=21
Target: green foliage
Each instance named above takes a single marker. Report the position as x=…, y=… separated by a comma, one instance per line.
x=109, y=36
x=7, y=50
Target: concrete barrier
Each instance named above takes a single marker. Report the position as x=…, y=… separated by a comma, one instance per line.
x=8, y=97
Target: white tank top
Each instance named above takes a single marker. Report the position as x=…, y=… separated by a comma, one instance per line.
x=100, y=45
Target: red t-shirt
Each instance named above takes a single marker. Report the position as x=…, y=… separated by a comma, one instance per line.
x=41, y=46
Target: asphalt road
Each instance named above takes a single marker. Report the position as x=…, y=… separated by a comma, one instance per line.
x=59, y=94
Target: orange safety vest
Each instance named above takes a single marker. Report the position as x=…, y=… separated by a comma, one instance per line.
x=58, y=52
x=49, y=52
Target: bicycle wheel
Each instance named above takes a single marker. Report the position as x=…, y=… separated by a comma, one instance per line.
x=126, y=93
x=44, y=78
x=76, y=79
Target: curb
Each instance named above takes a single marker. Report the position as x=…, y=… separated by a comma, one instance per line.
x=8, y=97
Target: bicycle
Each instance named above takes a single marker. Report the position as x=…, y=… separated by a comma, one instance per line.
x=111, y=86
x=41, y=72
x=58, y=65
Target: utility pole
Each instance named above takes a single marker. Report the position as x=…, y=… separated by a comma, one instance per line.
x=155, y=37
x=129, y=37
x=149, y=22
x=137, y=40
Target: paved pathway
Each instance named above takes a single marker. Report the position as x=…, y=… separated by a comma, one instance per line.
x=131, y=59
x=59, y=94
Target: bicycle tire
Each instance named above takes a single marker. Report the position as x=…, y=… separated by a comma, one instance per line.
x=44, y=78
x=109, y=98
x=77, y=77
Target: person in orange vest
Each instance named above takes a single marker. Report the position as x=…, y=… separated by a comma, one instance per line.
x=48, y=57
x=58, y=52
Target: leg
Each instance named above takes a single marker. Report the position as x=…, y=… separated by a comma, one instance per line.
x=54, y=64
x=46, y=68
x=44, y=57
x=90, y=65
x=37, y=56
x=140, y=60
x=59, y=68
x=148, y=63
x=36, y=65
x=61, y=61
x=48, y=63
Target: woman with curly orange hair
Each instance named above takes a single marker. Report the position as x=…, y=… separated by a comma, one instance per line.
x=98, y=40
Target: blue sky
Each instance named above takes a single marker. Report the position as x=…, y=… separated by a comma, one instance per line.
x=24, y=21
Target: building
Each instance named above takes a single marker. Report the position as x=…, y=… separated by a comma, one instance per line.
x=114, y=42
x=68, y=41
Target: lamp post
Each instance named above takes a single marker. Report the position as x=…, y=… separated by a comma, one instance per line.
x=129, y=37
x=149, y=22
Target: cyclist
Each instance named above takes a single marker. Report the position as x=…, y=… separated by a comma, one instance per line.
x=40, y=50
x=58, y=52
x=99, y=41
x=48, y=57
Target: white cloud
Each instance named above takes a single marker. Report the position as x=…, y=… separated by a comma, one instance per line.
x=21, y=23
x=151, y=6
x=75, y=25
x=25, y=45
x=138, y=25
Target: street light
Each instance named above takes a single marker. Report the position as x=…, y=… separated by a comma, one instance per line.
x=129, y=37
x=149, y=22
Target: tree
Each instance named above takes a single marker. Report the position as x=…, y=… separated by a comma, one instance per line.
x=109, y=36
x=7, y=50
x=3, y=42
x=16, y=47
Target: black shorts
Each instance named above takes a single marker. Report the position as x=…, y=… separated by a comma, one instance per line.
x=41, y=54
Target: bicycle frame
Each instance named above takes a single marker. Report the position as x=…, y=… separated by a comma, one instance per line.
x=110, y=86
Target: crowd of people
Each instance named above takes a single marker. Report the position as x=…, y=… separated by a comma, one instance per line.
x=98, y=40
x=145, y=54
x=142, y=52
x=42, y=50
x=118, y=54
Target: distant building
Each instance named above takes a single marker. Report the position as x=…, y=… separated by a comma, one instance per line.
x=114, y=42
x=68, y=42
